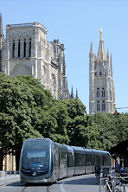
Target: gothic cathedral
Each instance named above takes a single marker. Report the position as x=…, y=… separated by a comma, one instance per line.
x=101, y=84
x=26, y=51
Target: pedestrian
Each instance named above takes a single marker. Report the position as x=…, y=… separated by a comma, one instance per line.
x=97, y=172
x=117, y=167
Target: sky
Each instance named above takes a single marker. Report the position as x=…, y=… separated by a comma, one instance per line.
x=76, y=23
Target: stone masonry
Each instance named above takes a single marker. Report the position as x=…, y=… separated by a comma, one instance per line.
x=101, y=84
x=27, y=51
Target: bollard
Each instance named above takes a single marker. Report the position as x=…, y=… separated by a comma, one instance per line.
x=100, y=186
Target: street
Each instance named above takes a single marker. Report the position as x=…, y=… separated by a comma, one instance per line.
x=84, y=183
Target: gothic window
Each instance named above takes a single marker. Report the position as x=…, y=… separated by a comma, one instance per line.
x=98, y=93
x=96, y=74
x=103, y=106
x=64, y=70
x=103, y=92
x=19, y=48
x=13, y=49
x=98, y=106
x=30, y=47
x=64, y=83
x=24, y=47
x=95, y=65
x=110, y=93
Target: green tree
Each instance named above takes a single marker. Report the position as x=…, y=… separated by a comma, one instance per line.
x=121, y=127
x=76, y=122
x=92, y=133
x=106, y=129
x=16, y=105
x=75, y=108
x=53, y=122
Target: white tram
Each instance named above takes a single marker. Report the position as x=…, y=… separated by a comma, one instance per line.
x=45, y=161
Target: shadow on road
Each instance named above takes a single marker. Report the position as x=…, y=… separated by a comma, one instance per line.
x=72, y=181
x=83, y=181
x=17, y=184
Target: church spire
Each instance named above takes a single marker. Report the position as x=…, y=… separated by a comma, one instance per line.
x=72, y=94
x=1, y=40
x=91, y=55
x=107, y=55
x=101, y=50
x=101, y=35
x=111, y=59
x=1, y=31
x=76, y=93
x=111, y=65
x=91, y=48
x=101, y=80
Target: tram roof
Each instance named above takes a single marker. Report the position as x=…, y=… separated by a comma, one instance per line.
x=78, y=149
x=38, y=139
x=101, y=152
x=69, y=148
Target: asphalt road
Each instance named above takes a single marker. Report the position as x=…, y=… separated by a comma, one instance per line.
x=84, y=183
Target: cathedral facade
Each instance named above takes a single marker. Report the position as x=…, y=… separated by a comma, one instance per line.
x=26, y=51
x=101, y=84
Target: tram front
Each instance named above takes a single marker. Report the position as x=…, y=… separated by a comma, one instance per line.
x=35, y=161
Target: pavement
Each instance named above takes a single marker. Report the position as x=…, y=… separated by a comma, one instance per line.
x=9, y=178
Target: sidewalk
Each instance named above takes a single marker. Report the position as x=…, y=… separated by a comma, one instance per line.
x=6, y=178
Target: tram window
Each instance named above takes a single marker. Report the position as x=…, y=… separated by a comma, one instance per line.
x=33, y=157
x=88, y=159
x=62, y=158
x=93, y=160
x=106, y=161
x=38, y=154
x=99, y=159
x=70, y=161
x=36, y=145
x=79, y=159
x=56, y=159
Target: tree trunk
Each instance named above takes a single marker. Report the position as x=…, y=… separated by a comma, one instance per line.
x=17, y=160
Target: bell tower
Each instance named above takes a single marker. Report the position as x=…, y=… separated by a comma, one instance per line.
x=101, y=84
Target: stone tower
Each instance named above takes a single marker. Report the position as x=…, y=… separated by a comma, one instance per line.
x=1, y=41
x=27, y=51
x=101, y=84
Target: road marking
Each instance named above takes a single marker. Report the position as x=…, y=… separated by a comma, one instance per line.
x=62, y=186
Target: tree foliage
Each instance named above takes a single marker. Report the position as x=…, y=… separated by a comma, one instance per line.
x=28, y=110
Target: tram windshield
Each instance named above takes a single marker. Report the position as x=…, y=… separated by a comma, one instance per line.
x=35, y=156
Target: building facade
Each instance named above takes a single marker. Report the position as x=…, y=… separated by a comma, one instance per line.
x=1, y=40
x=101, y=84
x=27, y=51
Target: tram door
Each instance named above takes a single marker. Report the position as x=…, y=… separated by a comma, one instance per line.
x=55, y=162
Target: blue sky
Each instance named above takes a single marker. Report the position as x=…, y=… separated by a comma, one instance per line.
x=76, y=23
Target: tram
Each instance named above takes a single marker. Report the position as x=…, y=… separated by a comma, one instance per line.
x=45, y=161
